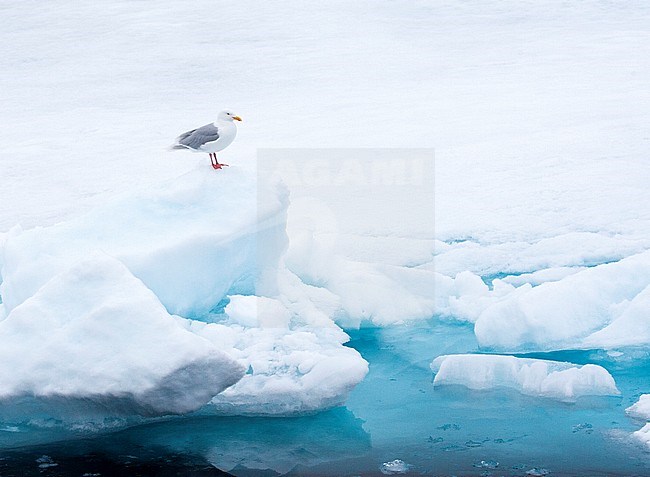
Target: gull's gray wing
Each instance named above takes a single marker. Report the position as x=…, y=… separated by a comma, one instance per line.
x=196, y=138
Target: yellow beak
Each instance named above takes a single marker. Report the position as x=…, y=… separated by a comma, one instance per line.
x=236, y=118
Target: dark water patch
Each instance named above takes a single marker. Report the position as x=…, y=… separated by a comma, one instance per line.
x=83, y=459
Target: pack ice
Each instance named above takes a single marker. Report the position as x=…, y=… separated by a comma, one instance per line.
x=112, y=308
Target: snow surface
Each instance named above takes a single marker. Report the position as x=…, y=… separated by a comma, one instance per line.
x=189, y=240
x=535, y=377
x=536, y=165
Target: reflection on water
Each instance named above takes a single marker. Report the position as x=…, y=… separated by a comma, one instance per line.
x=394, y=422
x=261, y=443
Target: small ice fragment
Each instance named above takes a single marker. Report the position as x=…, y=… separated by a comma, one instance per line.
x=535, y=472
x=487, y=464
x=436, y=440
x=45, y=461
x=396, y=466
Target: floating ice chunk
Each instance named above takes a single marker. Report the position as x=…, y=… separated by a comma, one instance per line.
x=95, y=332
x=189, y=240
x=293, y=368
x=45, y=462
x=393, y=467
x=643, y=434
x=535, y=377
x=563, y=313
x=640, y=409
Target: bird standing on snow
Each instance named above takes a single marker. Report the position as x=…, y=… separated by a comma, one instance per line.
x=211, y=138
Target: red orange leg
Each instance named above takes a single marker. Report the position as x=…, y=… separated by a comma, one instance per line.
x=215, y=163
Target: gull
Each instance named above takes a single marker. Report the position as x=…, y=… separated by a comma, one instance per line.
x=211, y=138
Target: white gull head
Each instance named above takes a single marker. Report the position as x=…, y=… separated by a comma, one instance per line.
x=227, y=115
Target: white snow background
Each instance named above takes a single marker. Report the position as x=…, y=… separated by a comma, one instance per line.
x=538, y=113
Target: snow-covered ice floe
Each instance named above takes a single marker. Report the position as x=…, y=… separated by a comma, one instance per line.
x=95, y=332
x=640, y=409
x=536, y=377
x=105, y=308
